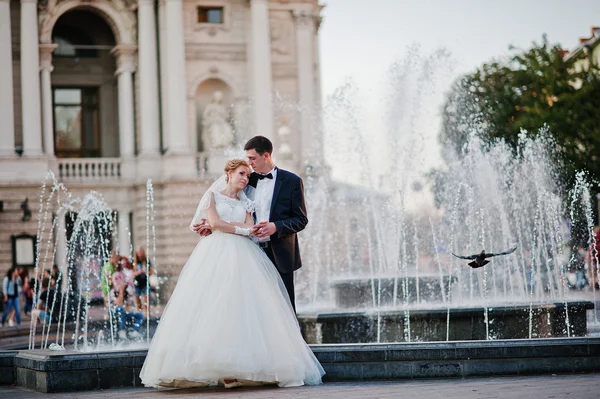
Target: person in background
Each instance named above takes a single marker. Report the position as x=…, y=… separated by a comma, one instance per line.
x=22, y=272
x=55, y=281
x=28, y=294
x=127, y=271
x=45, y=302
x=153, y=282
x=121, y=315
x=32, y=286
x=578, y=267
x=11, y=287
x=592, y=258
x=140, y=277
x=106, y=276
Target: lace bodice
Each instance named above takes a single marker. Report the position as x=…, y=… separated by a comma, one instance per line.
x=232, y=210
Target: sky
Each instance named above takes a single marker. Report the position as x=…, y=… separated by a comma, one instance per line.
x=361, y=40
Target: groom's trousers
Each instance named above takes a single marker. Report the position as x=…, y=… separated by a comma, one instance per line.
x=288, y=278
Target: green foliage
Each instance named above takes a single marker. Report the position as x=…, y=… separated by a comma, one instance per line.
x=532, y=88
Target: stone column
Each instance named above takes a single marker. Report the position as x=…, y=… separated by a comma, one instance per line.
x=47, y=112
x=305, y=27
x=260, y=64
x=125, y=68
x=30, y=79
x=163, y=45
x=148, y=72
x=176, y=81
x=7, y=127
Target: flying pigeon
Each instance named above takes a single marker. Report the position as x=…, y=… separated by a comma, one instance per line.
x=479, y=259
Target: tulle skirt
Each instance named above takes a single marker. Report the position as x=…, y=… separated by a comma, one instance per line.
x=229, y=318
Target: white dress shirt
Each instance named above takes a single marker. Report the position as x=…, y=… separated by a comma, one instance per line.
x=263, y=197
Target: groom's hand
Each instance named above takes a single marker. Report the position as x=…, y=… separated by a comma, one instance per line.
x=265, y=229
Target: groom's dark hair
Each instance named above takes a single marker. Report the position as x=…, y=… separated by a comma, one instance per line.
x=259, y=144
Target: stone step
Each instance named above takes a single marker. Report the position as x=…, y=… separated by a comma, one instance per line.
x=48, y=371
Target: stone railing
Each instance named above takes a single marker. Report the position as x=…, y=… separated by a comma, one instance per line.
x=201, y=164
x=89, y=169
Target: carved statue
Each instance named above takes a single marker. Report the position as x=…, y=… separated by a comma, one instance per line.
x=216, y=131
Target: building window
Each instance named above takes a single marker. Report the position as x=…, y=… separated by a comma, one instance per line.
x=76, y=122
x=210, y=15
x=73, y=43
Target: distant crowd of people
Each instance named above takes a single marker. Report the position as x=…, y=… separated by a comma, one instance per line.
x=127, y=289
x=584, y=264
x=128, y=286
x=18, y=287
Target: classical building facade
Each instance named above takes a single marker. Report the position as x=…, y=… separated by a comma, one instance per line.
x=108, y=94
x=587, y=52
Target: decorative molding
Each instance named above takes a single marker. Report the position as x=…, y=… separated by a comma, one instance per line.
x=282, y=36
x=119, y=15
x=304, y=18
x=126, y=57
x=294, y=2
x=46, y=51
x=213, y=73
x=215, y=51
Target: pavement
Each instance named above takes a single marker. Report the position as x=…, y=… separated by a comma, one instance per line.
x=581, y=386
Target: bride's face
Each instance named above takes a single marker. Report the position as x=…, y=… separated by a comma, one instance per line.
x=239, y=177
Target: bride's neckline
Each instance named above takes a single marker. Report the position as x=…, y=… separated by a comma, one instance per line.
x=236, y=198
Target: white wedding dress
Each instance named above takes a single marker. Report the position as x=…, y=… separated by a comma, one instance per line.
x=229, y=318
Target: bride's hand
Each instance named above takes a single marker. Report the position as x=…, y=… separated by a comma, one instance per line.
x=203, y=229
x=254, y=230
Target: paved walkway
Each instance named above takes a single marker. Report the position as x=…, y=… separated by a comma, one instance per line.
x=585, y=386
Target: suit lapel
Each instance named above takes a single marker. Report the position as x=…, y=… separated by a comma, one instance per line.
x=253, y=180
x=250, y=191
x=278, y=183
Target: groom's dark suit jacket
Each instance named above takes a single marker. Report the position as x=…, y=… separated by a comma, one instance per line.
x=288, y=212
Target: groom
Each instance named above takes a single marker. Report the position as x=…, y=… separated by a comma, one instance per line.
x=280, y=210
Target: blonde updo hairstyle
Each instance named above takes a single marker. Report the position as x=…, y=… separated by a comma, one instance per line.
x=232, y=165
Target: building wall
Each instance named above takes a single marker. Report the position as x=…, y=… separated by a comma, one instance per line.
x=15, y=26
x=210, y=53
x=215, y=52
x=587, y=52
x=10, y=219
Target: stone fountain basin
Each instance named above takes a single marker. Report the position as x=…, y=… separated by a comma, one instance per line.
x=547, y=320
x=46, y=371
x=352, y=292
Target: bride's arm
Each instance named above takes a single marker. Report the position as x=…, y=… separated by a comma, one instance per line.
x=248, y=223
x=216, y=223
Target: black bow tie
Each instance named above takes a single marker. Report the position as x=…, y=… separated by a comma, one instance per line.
x=267, y=176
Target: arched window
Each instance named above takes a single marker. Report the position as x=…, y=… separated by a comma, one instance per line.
x=73, y=43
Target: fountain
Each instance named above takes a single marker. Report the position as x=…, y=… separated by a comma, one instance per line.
x=381, y=270
x=378, y=269
x=407, y=286
x=79, y=315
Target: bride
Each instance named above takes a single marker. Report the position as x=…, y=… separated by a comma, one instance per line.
x=229, y=320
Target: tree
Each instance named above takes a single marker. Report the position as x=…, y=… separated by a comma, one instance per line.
x=532, y=88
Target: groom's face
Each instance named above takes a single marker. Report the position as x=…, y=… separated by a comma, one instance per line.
x=258, y=162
